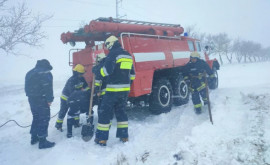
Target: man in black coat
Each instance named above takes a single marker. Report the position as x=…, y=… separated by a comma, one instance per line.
x=194, y=76
x=39, y=89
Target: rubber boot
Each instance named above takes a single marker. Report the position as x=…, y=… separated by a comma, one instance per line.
x=123, y=140
x=100, y=142
x=70, y=123
x=198, y=110
x=34, y=139
x=205, y=102
x=58, y=126
x=44, y=143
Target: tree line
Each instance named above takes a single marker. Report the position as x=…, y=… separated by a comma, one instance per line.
x=225, y=47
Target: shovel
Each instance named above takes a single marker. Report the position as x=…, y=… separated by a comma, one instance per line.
x=207, y=95
x=88, y=129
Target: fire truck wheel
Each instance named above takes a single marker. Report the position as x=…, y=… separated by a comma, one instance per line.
x=213, y=83
x=180, y=91
x=161, y=97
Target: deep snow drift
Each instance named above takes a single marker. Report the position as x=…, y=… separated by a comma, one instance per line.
x=240, y=134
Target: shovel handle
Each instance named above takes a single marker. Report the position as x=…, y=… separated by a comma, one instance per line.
x=92, y=91
x=207, y=95
x=91, y=96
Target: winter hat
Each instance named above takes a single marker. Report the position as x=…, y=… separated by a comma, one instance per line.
x=45, y=64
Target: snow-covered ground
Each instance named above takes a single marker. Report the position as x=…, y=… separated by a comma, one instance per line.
x=240, y=134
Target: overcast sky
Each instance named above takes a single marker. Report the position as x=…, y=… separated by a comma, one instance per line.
x=247, y=19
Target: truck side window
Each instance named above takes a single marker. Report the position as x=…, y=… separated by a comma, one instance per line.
x=198, y=46
x=191, y=46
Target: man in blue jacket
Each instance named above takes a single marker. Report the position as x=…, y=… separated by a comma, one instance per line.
x=39, y=89
x=119, y=70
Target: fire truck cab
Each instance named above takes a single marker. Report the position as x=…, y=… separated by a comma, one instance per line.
x=159, y=52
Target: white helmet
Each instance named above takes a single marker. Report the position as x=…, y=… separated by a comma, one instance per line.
x=110, y=41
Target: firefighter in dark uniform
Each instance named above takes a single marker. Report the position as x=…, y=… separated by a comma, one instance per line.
x=194, y=76
x=119, y=70
x=100, y=82
x=75, y=82
x=39, y=89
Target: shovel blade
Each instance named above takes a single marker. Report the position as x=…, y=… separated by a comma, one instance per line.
x=87, y=132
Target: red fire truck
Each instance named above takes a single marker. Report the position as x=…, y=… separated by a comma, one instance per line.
x=158, y=50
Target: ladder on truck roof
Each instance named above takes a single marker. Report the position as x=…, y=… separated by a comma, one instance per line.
x=126, y=21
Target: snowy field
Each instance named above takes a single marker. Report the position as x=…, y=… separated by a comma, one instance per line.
x=240, y=134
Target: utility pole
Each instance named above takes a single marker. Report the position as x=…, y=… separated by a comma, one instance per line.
x=117, y=2
x=117, y=10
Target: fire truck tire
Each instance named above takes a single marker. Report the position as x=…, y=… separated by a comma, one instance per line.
x=213, y=83
x=180, y=91
x=161, y=97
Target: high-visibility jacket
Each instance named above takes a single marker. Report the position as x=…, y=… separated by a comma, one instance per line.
x=119, y=70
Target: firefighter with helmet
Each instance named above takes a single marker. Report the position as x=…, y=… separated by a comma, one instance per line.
x=194, y=76
x=100, y=82
x=75, y=83
x=119, y=71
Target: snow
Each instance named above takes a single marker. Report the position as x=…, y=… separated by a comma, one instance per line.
x=240, y=134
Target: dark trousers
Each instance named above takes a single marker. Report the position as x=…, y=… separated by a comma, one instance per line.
x=112, y=102
x=198, y=89
x=76, y=107
x=41, y=116
x=63, y=109
x=99, y=106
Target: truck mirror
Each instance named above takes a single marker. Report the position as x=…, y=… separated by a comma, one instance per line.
x=72, y=43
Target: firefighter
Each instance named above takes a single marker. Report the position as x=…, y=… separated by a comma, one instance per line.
x=78, y=102
x=118, y=68
x=74, y=83
x=100, y=82
x=194, y=76
x=39, y=89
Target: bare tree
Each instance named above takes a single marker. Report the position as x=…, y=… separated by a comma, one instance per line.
x=236, y=47
x=265, y=54
x=192, y=31
x=221, y=44
x=18, y=26
x=250, y=50
x=208, y=43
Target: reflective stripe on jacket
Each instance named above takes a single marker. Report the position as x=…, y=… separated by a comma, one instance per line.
x=119, y=70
